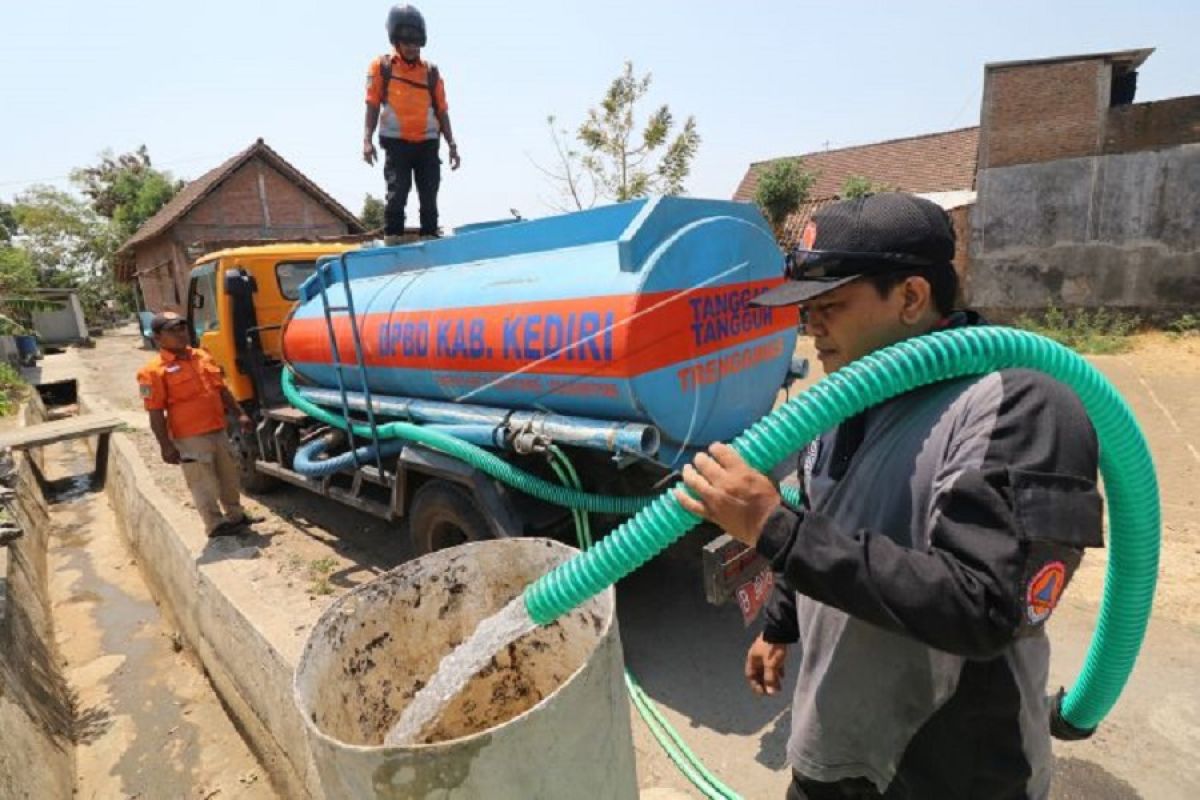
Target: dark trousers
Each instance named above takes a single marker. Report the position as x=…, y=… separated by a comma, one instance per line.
x=402, y=162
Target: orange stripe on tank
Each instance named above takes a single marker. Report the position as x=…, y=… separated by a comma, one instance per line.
x=616, y=336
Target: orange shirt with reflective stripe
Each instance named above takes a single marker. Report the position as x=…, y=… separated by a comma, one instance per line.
x=409, y=113
x=188, y=389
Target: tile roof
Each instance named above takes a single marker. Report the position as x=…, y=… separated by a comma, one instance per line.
x=194, y=192
x=934, y=162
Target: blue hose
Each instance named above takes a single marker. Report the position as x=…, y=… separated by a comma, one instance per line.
x=306, y=462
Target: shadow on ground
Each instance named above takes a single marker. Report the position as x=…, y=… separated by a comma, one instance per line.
x=1076, y=779
x=372, y=545
x=690, y=656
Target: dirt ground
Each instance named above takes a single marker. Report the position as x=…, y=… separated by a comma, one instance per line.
x=1161, y=381
x=688, y=655
x=315, y=546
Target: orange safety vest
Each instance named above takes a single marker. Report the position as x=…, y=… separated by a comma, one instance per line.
x=414, y=94
x=188, y=389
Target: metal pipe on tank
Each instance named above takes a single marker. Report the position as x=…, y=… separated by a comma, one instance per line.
x=482, y=435
x=623, y=438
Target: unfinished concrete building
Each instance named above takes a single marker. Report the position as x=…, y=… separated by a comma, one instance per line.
x=1084, y=198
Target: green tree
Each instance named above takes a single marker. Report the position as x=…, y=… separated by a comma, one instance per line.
x=17, y=274
x=861, y=186
x=372, y=213
x=51, y=238
x=8, y=223
x=783, y=186
x=576, y=186
x=17, y=277
x=625, y=160
x=66, y=245
x=63, y=237
x=126, y=189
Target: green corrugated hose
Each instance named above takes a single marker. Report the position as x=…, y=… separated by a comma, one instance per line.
x=1129, y=479
x=660, y=728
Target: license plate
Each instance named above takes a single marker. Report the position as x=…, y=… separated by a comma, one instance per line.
x=752, y=595
x=731, y=572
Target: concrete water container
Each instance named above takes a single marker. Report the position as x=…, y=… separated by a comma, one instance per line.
x=547, y=718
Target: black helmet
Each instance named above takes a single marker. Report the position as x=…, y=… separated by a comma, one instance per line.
x=405, y=24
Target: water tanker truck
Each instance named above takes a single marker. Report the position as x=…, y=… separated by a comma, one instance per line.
x=620, y=338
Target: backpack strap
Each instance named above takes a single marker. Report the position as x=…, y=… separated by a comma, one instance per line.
x=385, y=71
x=432, y=76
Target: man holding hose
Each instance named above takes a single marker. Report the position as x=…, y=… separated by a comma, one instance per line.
x=936, y=536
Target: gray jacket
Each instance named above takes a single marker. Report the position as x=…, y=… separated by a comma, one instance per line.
x=939, y=531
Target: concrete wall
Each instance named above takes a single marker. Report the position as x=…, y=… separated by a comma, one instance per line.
x=64, y=324
x=37, y=757
x=1115, y=231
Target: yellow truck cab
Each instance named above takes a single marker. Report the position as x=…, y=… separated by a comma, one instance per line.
x=238, y=300
x=272, y=273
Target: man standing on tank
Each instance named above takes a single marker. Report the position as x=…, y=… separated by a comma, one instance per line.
x=937, y=533
x=406, y=100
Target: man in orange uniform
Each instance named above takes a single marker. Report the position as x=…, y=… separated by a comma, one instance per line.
x=185, y=393
x=406, y=99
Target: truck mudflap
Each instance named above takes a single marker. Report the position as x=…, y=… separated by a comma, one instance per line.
x=734, y=571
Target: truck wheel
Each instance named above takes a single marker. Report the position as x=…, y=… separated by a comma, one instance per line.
x=443, y=515
x=245, y=450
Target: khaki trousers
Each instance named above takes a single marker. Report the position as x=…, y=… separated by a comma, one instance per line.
x=212, y=477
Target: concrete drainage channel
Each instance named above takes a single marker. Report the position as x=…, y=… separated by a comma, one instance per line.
x=91, y=686
x=111, y=646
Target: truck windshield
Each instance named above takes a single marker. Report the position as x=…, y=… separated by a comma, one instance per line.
x=203, y=300
x=291, y=274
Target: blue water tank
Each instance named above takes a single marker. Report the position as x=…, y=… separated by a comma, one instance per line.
x=638, y=311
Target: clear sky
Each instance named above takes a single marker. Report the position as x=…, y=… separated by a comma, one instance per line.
x=198, y=81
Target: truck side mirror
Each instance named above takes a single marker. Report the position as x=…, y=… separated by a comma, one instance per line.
x=197, y=301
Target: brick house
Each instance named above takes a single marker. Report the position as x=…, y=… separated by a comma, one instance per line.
x=940, y=166
x=254, y=196
x=1068, y=193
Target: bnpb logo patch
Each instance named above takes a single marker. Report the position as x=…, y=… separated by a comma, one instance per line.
x=1043, y=591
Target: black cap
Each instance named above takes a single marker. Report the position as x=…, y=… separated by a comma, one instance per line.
x=165, y=319
x=872, y=235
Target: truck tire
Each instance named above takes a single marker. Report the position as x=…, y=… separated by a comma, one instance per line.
x=245, y=450
x=443, y=515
